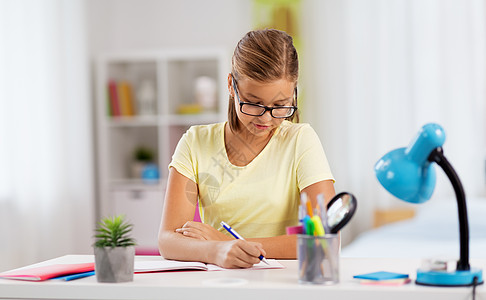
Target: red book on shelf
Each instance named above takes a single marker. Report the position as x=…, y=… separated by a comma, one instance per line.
x=115, y=103
x=47, y=272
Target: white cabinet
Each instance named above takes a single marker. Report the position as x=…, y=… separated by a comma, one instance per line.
x=143, y=207
x=159, y=95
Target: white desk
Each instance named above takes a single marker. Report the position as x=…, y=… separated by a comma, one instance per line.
x=278, y=284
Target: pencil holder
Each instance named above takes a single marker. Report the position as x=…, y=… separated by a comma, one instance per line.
x=318, y=259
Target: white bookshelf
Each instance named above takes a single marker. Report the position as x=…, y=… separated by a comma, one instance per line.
x=173, y=73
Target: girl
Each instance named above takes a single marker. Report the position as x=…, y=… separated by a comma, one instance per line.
x=249, y=171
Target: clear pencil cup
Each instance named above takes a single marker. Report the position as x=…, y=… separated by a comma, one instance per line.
x=318, y=259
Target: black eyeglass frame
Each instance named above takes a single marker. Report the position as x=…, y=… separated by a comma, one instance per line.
x=263, y=106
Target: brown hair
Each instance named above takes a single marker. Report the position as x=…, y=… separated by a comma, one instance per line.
x=264, y=55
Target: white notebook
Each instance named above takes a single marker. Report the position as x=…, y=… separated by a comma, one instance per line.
x=161, y=265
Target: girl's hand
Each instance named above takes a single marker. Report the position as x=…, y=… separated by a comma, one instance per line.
x=202, y=231
x=238, y=254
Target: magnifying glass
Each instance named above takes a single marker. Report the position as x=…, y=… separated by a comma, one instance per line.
x=340, y=210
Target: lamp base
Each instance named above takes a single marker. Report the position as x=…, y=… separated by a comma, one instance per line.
x=443, y=278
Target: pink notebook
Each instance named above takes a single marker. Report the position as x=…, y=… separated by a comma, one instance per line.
x=47, y=272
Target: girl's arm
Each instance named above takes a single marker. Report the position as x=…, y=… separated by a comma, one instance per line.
x=325, y=187
x=280, y=247
x=179, y=207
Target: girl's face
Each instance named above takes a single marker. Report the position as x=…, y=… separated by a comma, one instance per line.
x=271, y=94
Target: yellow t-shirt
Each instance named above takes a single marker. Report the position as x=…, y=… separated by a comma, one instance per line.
x=262, y=198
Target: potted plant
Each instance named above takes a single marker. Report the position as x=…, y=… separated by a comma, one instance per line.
x=142, y=156
x=114, y=250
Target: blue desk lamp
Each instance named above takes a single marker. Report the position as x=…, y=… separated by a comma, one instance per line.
x=408, y=174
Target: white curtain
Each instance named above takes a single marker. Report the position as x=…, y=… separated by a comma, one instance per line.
x=375, y=71
x=46, y=186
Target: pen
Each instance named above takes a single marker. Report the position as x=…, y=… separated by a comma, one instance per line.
x=75, y=276
x=318, y=228
x=239, y=237
x=323, y=207
x=308, y=225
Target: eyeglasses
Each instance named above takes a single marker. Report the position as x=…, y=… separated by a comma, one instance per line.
x=256, y=110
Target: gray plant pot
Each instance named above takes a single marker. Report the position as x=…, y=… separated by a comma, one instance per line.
x=114, y=264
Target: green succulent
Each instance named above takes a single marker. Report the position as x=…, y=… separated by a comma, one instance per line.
x=114, y=232
x=144, y=154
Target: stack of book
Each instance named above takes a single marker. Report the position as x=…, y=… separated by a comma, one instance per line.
x=58, y=271
x=120, y=99
x=383, y=278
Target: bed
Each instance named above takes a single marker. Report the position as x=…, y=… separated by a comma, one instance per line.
x=432, y=233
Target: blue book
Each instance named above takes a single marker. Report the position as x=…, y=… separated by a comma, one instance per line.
x=381, y=275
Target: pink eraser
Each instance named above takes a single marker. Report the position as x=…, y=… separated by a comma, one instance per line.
x=295, y=230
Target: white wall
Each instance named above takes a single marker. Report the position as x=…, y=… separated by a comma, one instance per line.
x=378, y=71
x=116, y=25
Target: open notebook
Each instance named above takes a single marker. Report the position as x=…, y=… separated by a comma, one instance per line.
x=161, y=265
x=156, y=265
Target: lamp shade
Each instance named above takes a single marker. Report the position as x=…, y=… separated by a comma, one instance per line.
x=406, y=172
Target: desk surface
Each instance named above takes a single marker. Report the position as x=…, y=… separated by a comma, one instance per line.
x=238, y=284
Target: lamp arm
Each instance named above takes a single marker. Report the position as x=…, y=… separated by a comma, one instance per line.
x=438, y=157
